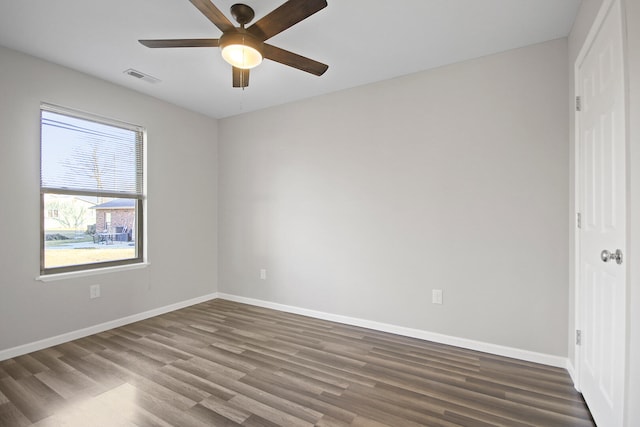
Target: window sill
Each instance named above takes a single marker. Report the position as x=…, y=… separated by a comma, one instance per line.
x=93, y=272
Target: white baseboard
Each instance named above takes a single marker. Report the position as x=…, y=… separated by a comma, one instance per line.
x=81, y=333
x=515, y=353
x=530, y=356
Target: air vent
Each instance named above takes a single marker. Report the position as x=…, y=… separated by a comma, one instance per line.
x=140, y=75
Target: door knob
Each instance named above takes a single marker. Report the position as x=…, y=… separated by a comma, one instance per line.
x=607, y=256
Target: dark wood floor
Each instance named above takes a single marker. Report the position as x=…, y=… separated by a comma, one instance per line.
x=224, y=363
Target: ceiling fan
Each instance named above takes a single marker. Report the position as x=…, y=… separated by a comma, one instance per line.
x=244, y=48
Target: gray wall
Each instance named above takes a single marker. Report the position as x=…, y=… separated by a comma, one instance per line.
x=361, y=202
x=182, y=205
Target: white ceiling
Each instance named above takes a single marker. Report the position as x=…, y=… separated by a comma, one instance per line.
x=362, y=41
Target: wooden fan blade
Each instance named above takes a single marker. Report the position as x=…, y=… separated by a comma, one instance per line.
x=240, y=77
x=180, y=43
x=213, y=14
x=285, y=16
x=294, y=60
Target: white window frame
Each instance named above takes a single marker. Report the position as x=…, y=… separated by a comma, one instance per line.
x=140, y=228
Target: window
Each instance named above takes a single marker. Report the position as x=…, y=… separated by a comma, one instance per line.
x=91, y=191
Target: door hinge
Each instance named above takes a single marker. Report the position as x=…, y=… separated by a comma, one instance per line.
x=578, y=337
x=579, y=220
x=578, y=103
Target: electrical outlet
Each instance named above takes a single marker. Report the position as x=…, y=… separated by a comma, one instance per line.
x=263, y=274
x=436, y=296
x=94, y=291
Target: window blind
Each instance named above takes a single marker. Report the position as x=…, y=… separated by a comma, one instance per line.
x=82, y=154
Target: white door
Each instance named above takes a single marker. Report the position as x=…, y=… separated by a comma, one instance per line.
x=602, y=185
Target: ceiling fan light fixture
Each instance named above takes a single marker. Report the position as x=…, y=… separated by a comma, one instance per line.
x=246, y=48
x=241, y=50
